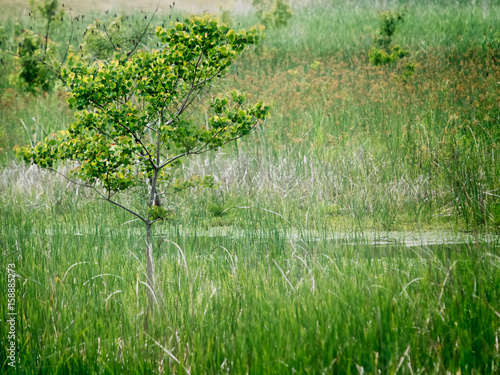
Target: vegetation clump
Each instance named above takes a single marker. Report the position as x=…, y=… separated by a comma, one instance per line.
x=37, y=50
x=382, y=53
x=379, y=56
x=273, y=13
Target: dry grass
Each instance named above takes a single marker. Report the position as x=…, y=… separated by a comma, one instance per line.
x=20, y=7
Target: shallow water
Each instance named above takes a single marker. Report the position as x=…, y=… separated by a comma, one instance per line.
x=373, y=238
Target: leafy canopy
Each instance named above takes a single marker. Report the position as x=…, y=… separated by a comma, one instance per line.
x=132, y=119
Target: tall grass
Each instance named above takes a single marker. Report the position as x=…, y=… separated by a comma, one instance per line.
x=261, y=302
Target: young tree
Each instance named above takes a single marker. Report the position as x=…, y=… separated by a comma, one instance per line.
x=133, y=117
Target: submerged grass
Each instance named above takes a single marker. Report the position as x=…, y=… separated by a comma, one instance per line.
x=350, y=148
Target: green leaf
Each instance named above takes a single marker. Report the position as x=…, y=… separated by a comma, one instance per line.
x=223, y=50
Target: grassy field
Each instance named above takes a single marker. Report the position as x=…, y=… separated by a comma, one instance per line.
x=300, y=261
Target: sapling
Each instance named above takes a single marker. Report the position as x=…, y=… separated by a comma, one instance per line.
x=133, y=117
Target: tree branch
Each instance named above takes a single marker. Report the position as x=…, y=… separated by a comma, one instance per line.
x=200, y=150
x=136, y=138
x=98, y=192
x=129, y=53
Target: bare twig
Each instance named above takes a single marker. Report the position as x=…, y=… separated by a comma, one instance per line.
x=129, y=53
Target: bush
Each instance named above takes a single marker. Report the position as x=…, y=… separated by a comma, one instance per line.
x=378, y=56
x=273, y=13
x=382, y=54
x=35, y=74
x=388, y=24
x=36, y=50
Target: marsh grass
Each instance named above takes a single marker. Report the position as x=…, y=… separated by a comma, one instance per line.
x=262, y=302
x=249, y=277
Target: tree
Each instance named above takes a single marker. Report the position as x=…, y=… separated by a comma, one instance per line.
x=132, y=121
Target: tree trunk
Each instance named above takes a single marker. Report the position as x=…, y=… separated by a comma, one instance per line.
x=150, y=262
x=156, y=201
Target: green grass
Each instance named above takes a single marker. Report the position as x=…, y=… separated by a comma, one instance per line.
x=249, y=277
x=262, y=302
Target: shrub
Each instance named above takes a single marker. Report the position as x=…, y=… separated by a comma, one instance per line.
x=378, y=56
x=382, y=53
x=273, y=13
x=36, y=50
